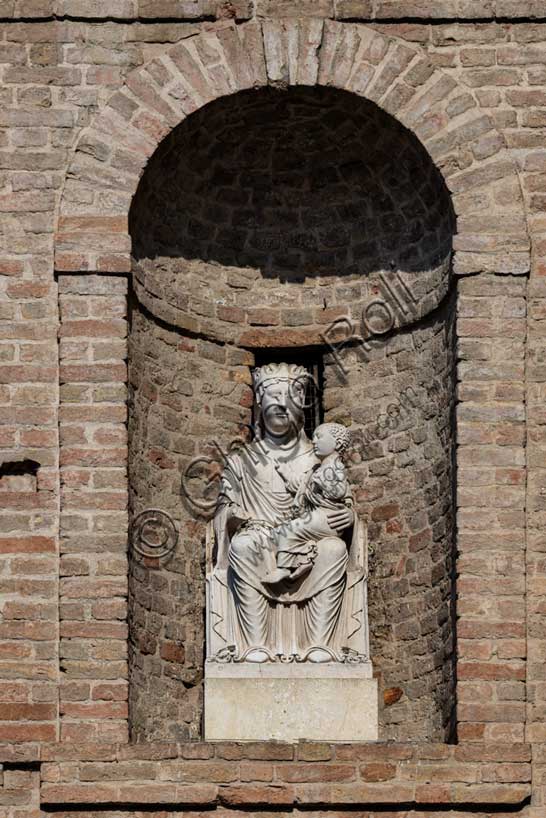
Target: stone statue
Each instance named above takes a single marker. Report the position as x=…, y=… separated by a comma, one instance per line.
x=286, y=574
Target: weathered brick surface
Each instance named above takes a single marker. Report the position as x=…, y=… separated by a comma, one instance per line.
x=354, y=774
x=295, y=260
x=77, y=780
x=409, y=522
x=93, y=469
x=175, y=381
x=474, y=94
x=491, y=498
x=20, y=792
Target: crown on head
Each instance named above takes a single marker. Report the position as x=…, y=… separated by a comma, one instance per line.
x=271, y=373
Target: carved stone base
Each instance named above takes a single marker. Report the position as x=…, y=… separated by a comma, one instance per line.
x=326, y=702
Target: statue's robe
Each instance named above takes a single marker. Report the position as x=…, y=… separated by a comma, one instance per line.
x=297, y=615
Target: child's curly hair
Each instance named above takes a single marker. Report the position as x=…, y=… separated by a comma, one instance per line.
x=340, y=433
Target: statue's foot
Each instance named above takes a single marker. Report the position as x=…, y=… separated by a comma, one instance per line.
x=319, y=655
x=256, y=655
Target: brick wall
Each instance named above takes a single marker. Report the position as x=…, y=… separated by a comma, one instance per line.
x=278, y=775
x=400, y=397
x=93, y=526
x=188, y=396
x=87, y=96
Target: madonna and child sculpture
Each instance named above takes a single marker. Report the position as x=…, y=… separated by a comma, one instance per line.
x=286, y=582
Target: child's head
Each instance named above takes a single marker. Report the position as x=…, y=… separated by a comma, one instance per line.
x=329, y=438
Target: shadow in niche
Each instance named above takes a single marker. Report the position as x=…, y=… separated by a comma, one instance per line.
x=298, y=183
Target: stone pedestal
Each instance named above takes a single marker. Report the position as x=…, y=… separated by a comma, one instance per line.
x=290, y=702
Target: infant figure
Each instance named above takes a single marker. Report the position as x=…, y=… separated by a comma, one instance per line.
x=324, y=488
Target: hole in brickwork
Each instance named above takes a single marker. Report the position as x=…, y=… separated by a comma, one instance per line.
x=19, y=475
x=283, y=210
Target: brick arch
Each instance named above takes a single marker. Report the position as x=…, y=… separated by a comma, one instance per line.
x=112, y=152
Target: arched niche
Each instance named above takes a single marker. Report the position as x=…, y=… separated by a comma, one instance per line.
x=260, y=220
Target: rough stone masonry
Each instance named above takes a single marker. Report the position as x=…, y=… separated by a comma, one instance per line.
x=192, y=188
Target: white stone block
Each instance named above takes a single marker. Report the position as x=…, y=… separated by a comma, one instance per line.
x=261, y=702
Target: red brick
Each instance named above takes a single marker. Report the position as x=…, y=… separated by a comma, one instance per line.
x=255, y=750
x=256, y=771
x=26, y=374
x=10, y=267
x=295, y=773
x=94, y=224
x=114, y=263
x=77, y=793
x=94, y=328
x=14, y=691
x=93, y=373
x=93, y=630
x=374, y=753
x=35, y=631
x=28, y=732
x=31, y=544
x=385, y=512
x=493, y=752
x=378, y=771
x=493, y=670
x=30, y=712
x=95, y=710
x=314, y=751
x=110, y=691
x=172, y=652
x=257, y=795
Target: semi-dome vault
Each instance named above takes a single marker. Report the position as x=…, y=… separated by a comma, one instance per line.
x=112, y=153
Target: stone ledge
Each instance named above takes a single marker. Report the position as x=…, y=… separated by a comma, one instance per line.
x=266, y=773
x=469, y=752
x=157, y=10
x=264, y=795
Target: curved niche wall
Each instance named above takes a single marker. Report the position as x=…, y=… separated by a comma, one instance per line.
x=262, y=219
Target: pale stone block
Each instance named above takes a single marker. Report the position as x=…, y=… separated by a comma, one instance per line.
x=327, y=702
